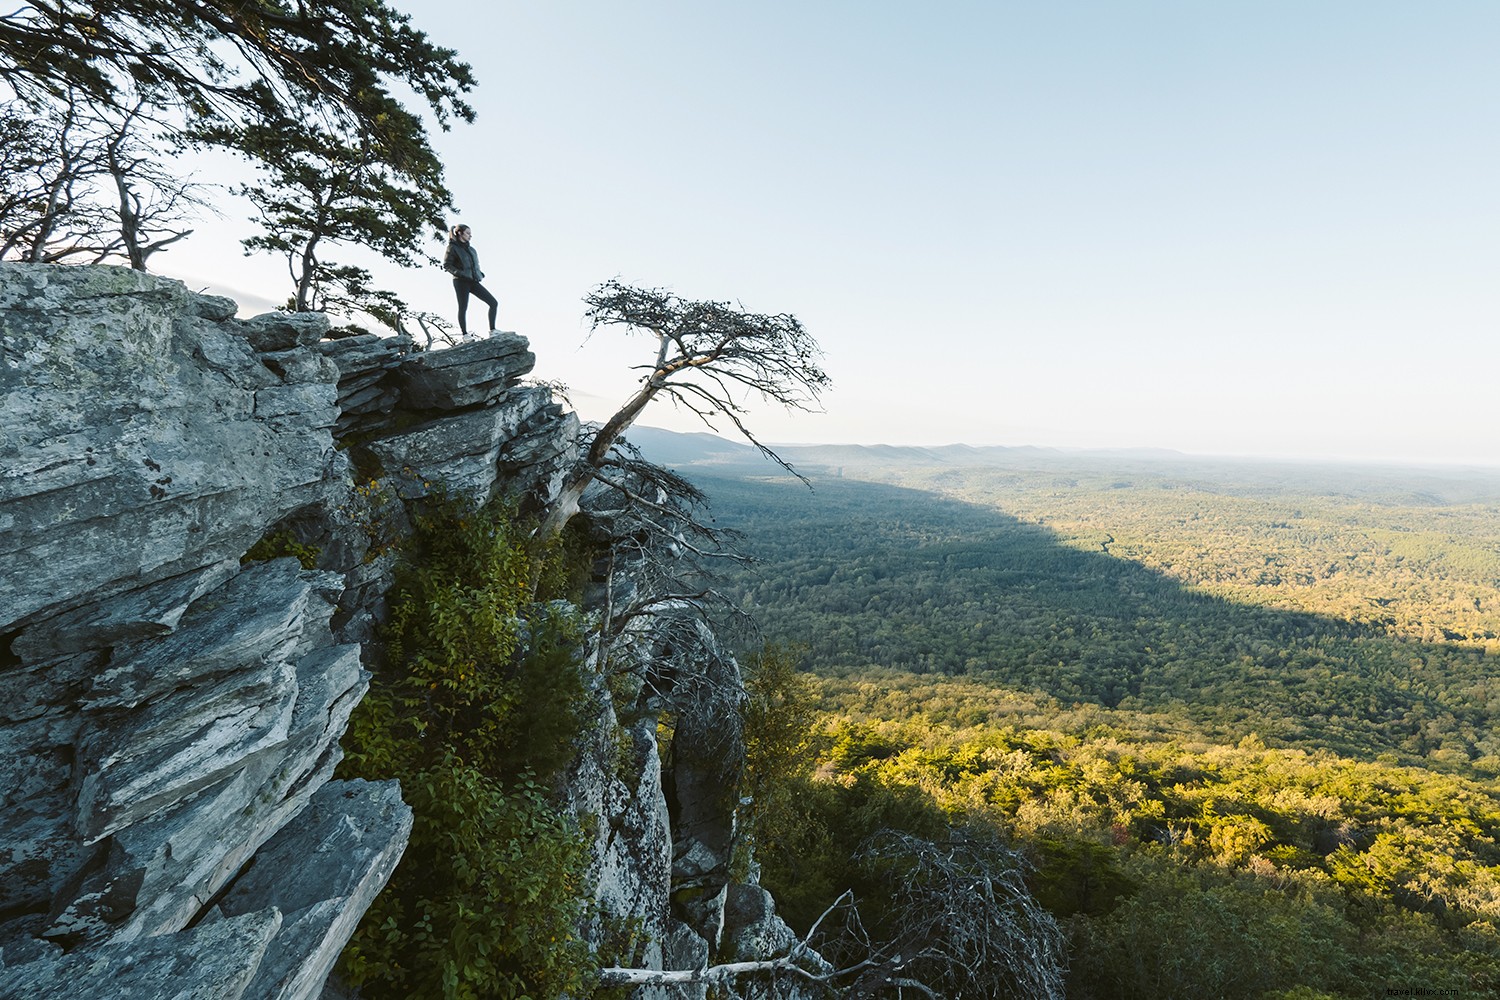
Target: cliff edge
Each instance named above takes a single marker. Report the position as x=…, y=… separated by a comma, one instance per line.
x=170, y=716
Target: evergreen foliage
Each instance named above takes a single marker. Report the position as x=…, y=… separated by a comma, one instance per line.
x=306, y=91
x=225, y=60
x=324, y=185
x=779, y=712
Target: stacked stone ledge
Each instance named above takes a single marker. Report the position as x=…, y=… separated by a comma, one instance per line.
x=166, y=713
x=170, y=718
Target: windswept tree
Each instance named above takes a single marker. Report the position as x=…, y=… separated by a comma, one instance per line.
x=711, y=357
x=42, y=178
x=229, y=61
x=230, y=73
x=325, y=185
x=82, y=183
x=152, y=205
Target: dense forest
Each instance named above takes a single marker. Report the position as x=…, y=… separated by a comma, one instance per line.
x=1239, y=717
x=1355, y=623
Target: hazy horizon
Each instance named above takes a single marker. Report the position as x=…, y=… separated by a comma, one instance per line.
x=1145, y=452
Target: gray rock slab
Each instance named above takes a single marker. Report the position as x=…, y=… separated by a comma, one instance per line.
x=459, y=452
x=147, y=612
x=301, y=366
x=210, y=962
x=365, y=353
x=247, y=620
x=134, y=763
x=40, y=689
x=634, y=870
x=682, y=949
x=232, y=359
x=37, y=853
x=277, y=331
x=156, y=874
x=129, y=447
x=37, y=757
x=630, y=865
x=214, y=307
x=538, y=459
x=323, y=872
x=311, y=407
x=469, y=374
x=367, y=394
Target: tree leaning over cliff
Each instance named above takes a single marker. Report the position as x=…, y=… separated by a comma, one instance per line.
x=710, y=356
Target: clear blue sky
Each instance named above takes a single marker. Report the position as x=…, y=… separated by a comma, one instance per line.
x=1265, y=228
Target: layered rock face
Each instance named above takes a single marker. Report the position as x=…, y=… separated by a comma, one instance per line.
x=165, y=712
x=170, y=717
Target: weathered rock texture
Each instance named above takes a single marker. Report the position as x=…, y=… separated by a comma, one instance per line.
x=170, y=717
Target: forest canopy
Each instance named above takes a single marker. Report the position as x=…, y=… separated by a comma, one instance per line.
x=1240, y=724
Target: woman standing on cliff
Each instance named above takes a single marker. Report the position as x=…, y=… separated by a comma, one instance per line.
x=462, y=262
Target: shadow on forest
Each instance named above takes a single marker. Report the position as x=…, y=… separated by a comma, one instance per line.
x=866, y=574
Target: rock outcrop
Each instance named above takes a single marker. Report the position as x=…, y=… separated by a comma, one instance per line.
x=170, y=715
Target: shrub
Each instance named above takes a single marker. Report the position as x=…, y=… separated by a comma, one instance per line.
x=278, y=544
x=486, y=900
x=475, y=710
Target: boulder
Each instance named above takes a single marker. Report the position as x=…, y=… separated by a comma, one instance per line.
x=751, y=927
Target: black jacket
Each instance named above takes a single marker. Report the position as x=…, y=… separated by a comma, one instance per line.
x=462, y=261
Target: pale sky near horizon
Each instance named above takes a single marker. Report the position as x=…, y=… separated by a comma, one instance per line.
x=1264, y=228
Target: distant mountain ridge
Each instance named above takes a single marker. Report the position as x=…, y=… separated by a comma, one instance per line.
x=700, y=448
x=711, y=454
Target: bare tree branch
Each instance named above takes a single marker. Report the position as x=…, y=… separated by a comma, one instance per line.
x=963, y=920
x=81, y=182
x=706, y=353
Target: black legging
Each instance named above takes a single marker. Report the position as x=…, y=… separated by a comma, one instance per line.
x=463, y=288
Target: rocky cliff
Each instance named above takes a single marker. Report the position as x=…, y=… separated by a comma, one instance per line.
x=170, y=715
